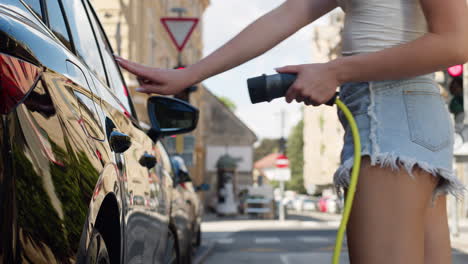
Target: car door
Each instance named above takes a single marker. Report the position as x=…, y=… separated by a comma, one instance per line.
x=146, y=214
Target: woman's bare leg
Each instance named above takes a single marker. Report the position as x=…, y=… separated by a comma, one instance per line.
x=387, y=221
x=437, y=248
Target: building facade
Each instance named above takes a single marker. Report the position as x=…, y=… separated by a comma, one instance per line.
x=224, y=134
x=323, y=134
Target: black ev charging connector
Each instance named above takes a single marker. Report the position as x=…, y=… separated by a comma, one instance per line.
x=265, y=88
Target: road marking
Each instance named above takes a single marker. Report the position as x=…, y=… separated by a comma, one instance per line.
x=267, y=240
x=307, y=258
x=225, y=241
x=313, y=239
x=260, y=250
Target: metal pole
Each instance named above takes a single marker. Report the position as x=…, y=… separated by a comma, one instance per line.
x=281, y=204
x=282, y=146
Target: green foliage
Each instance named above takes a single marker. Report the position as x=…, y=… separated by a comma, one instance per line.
x=295, y=153
x=36, y=215
x=266, y=147
x=73, y=183
x=228, y=102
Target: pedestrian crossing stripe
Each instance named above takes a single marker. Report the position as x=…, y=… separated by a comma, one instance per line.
x=267, y=240
x=314, y=239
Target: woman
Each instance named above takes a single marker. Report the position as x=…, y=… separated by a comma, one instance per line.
x=390, y=48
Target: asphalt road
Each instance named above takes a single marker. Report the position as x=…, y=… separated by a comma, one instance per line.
x=304, y=240
x=275, y=247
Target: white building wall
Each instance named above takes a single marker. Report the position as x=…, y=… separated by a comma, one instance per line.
x=323, y=134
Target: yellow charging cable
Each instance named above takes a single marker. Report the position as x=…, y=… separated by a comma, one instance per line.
x=353, y=181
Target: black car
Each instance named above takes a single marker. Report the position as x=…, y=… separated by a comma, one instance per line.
x=186, y=189
x=80, y=180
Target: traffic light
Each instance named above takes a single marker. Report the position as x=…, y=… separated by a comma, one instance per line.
x=455, y=71
x=185, y=94
x=455, y=87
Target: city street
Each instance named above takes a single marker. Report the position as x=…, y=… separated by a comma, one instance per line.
x=300, y=239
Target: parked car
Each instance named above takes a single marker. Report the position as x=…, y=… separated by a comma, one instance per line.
x=80, y=180
x=305, y=203
x=194, y=207
x=309, y=204
x=329, y=204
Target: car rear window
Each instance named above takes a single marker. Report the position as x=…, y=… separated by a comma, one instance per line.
x=83, y=37
x=113, y=72
x=57, y=23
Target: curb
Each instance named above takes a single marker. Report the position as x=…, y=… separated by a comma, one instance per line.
x=201, y=257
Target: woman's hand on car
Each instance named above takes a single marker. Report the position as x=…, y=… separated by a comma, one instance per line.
x=315, y=84
x=154, y=80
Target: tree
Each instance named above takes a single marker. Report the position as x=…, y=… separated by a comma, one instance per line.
x=266, y=147
x=295, y=153
x=227, y=102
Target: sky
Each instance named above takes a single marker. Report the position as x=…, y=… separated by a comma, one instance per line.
x=221, y=22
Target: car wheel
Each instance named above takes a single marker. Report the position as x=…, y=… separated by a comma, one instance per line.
x=172, y=253
x=97, y=250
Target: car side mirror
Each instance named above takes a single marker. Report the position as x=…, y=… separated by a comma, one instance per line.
x=170, y=116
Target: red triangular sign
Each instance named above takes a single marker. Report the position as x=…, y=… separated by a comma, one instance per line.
x=179, y=29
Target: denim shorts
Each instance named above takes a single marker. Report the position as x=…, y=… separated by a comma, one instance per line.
x=402, y=123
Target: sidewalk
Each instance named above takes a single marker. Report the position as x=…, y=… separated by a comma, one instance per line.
x=213, y=224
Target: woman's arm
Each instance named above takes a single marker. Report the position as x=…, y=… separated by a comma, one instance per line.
x=262, y=35
x=254, y=40
x=445, y=44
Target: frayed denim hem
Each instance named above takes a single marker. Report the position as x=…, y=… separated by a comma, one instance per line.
x=451, y=183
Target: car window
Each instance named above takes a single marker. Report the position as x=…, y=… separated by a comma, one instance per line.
x=20, y=8
x=83, y=37
x=35, y=5
x=113, y=72
x=57, y=23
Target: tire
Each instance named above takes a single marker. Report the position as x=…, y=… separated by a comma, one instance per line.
x=97, y=250
x=172, y=252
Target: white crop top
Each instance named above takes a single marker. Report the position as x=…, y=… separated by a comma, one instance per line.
x=373, y=25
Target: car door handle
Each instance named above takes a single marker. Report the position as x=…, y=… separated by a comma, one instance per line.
x=119, y=142
x=147, y=160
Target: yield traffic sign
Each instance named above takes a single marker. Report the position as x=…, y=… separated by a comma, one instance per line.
x=179, y=29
